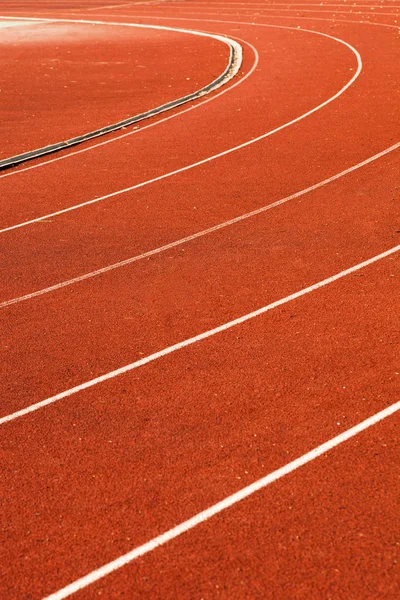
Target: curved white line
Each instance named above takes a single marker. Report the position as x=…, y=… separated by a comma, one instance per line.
x=257, y=12
x=194, y=236
x=220, y=154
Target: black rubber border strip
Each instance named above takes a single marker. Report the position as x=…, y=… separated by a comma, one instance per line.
x=13, y=161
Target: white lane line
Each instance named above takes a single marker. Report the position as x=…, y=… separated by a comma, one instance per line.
x=194, y=236
x=114, y=6
x=227, y=502
x=193, y=340
x=4, y=24
x=220, y=154
x=199, y=103
x=32, y=20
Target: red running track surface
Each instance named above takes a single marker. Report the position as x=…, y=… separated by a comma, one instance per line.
x=106, y=469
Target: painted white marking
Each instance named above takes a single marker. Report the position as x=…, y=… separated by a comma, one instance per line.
x=114, y=6
x=199, y=103
x=193, y=340
x=215, y=156
x=194, y=236
x=4, y=24
x=224, y=504
x=120, y=5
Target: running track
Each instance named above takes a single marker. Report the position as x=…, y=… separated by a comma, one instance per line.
x=199, y=315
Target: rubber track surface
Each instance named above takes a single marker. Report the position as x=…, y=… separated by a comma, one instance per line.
x=104, y=470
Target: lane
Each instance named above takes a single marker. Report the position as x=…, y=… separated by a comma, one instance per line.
x=189, y=9
x=111, y=468
x=321, y=6
x=271, y=10
x=34, y=6
x=199, y=234
x=327, y=529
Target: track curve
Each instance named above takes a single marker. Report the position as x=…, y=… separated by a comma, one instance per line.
x=274, y=396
